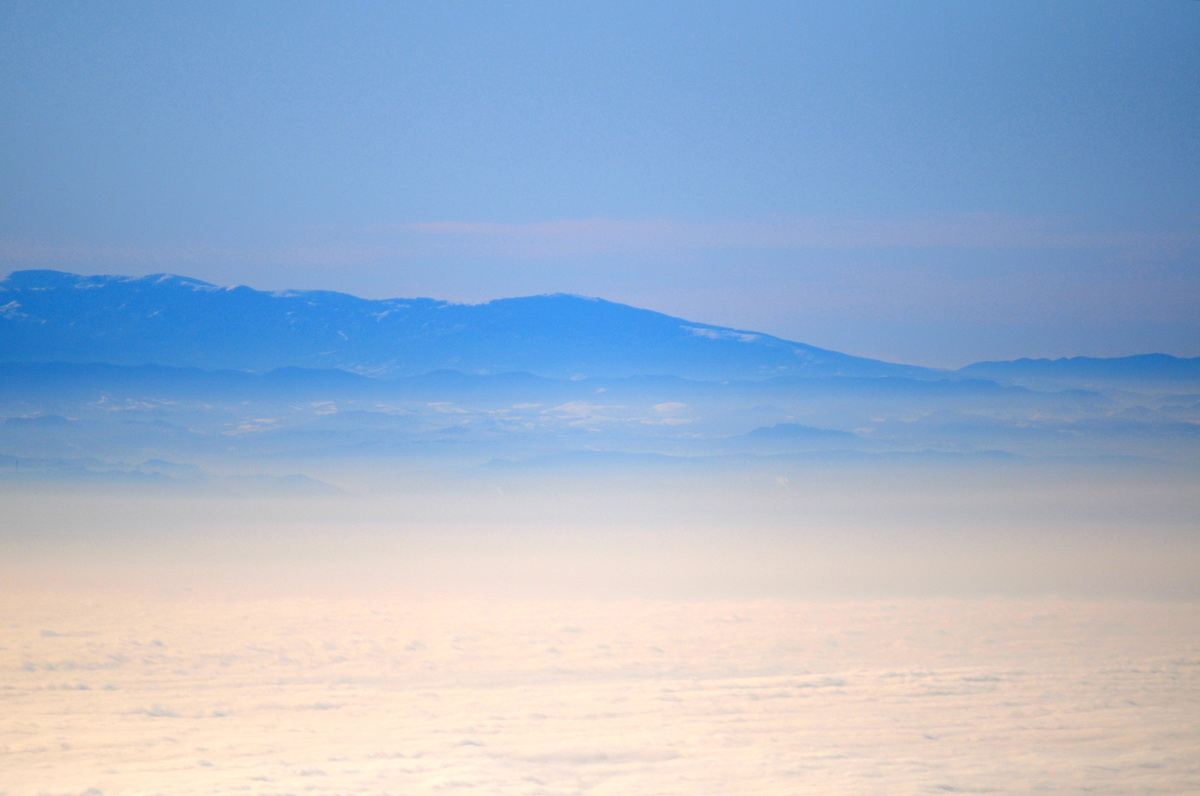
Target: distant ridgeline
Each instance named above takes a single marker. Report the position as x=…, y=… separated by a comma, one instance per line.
x=145, y=380
x=48, y=316
x=51, y=316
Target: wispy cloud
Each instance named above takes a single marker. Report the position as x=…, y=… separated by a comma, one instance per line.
x=571, y=238
x=967, y=231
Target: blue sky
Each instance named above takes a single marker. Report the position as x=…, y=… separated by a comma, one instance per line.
x=924, y=182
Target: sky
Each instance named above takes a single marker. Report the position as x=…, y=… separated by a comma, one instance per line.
x=934, y=183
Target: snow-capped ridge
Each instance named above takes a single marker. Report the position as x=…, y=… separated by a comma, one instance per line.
x=174, y=320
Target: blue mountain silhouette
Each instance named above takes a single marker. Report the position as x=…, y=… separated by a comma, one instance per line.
x=48, y=316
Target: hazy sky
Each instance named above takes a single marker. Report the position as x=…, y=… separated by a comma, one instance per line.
x=931, y=183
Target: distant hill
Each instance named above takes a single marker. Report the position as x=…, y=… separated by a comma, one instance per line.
x=48, y=316
x=1087, y=371
x=796, y=431
x=42, y=381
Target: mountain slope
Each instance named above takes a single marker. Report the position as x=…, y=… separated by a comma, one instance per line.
x=162, y=319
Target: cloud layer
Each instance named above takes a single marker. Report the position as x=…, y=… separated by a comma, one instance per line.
x=108, y=694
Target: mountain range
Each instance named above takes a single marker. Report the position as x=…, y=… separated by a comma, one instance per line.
x=49, y=316
x=169, y=320
x=99, y=373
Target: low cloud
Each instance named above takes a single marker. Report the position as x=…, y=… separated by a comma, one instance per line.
x=980, y=696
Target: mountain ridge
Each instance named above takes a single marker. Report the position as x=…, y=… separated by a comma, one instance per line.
x=172, y=320
x=164, y=319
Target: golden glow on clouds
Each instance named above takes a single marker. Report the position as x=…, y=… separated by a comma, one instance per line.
x=108, y=692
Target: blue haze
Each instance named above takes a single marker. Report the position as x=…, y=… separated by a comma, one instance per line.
x=889, y=297
x=170, y=380
x=932, y=183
